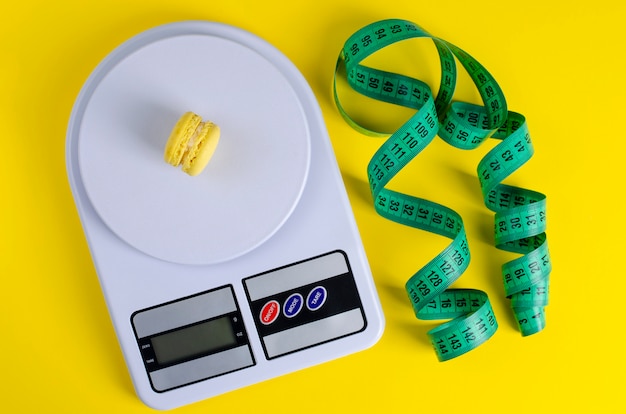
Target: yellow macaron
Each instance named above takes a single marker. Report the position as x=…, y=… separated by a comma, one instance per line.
x=191, y=143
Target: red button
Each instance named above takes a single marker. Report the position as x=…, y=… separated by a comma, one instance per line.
x=269, y=312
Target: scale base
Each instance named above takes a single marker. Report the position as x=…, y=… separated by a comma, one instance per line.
x=263, y=271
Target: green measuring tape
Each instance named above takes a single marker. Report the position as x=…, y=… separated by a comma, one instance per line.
x=520, y=214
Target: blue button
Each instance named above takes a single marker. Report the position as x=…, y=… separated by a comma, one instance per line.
x=316, y=298
x=293, y=305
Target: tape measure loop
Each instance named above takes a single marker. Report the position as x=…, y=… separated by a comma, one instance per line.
x=428, y=283
x=376, y=36
x=389, y=87
x=463, y=126
x=464, y=333
x=490, y=92
x=530, y=320
x=519, y=224
x=536, y=295
x=527, y=270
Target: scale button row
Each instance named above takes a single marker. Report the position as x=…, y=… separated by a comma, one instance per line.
x=293, y=305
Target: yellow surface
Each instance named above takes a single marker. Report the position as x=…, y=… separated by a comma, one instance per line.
x=561, y=65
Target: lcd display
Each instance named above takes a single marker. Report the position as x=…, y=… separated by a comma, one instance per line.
x=194, y=340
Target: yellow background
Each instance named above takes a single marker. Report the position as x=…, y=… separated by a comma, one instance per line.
x=561, y=65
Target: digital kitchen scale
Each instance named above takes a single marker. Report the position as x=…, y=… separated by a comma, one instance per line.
x=250, y=270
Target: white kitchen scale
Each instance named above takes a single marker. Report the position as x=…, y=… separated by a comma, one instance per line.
x=250, y=270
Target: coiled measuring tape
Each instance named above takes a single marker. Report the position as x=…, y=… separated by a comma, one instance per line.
x=520, y=214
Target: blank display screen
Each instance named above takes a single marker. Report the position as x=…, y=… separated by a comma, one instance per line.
x=194, y=340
